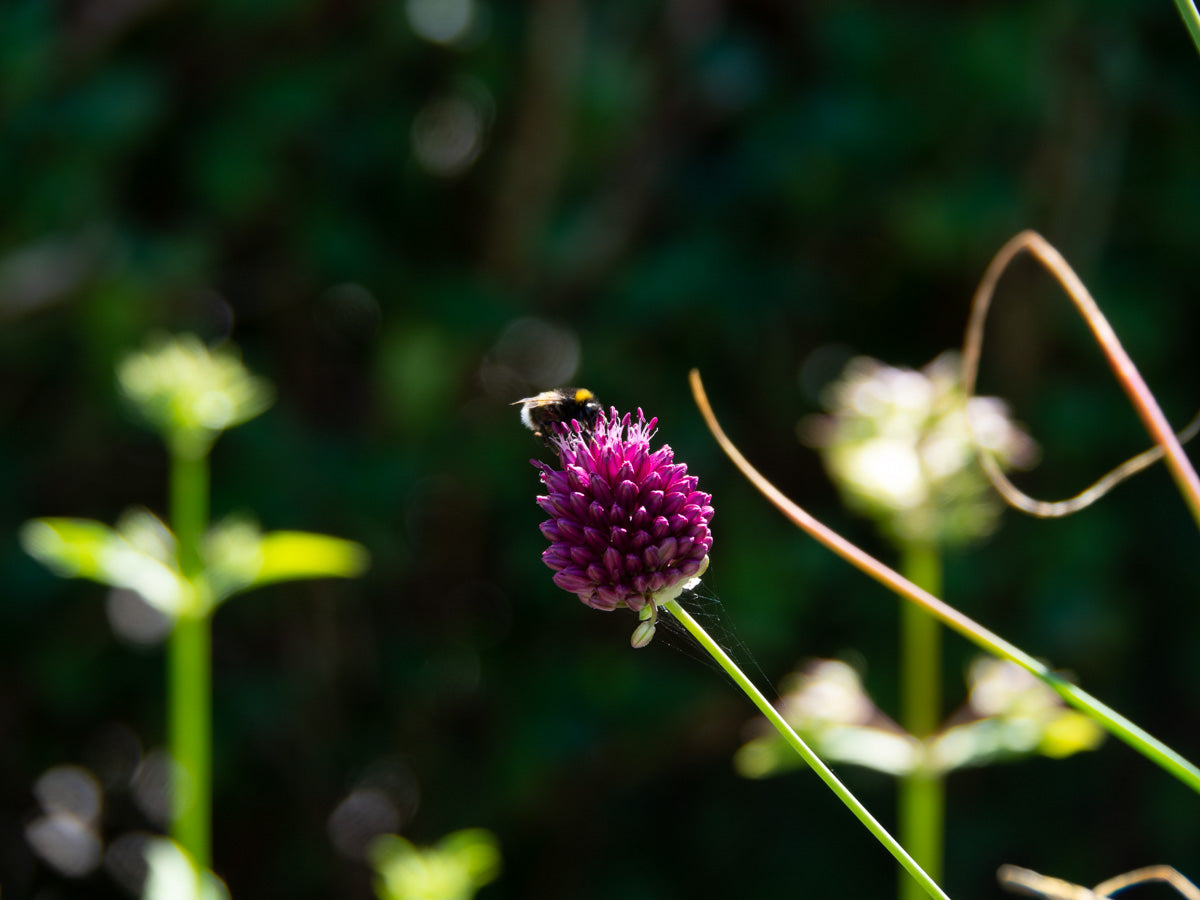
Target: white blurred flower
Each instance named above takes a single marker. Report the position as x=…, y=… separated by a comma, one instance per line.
x=886, y=469
x=1010, y=715
x=172, y=875
x=897, y=443
x=189, y=392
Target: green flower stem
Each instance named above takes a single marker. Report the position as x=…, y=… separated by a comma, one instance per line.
x=1141, y=741
x=189, y=665
x=1191, y=19
x=921, y=803
x=189, y=505
x=189, y=708
x=796, y=743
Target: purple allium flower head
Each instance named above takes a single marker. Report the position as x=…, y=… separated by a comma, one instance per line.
x=626, y=524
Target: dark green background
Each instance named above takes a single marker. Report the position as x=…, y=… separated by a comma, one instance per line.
x=755, y=188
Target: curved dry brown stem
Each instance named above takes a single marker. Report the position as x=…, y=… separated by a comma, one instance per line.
x=1033, y=884
x=1029, y=882
x=1167, y=443
x=1164, y=874
x=850, y=552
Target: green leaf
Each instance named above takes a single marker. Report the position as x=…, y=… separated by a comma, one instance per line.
x=1068, y=733
x=290, y=555
x=454, y=869
x=1018, y=717
x=477, y=851
x=70, y=548
x=985, y=741
x=826, y=704
x=861, y=745
x=240, y=557
x=139, y=555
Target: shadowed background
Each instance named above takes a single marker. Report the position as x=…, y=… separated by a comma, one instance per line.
x=408, y=215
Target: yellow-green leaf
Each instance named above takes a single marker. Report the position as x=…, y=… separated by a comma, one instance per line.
x=136, y=556
x=290, y=555
x=68, y=547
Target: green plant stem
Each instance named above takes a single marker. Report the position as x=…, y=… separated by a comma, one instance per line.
x=881, y=834
x=1191, y=19
x=921, y=801
x=189, y=666
x=189, y=706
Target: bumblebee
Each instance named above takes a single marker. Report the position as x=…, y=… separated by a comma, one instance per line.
x=541, y=412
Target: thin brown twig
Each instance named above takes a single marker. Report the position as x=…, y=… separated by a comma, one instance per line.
x=1027, y=881
x=849, y=551
x=1167, y=443
x=1165, y=874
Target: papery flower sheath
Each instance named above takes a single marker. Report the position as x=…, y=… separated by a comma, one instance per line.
x=627, y=526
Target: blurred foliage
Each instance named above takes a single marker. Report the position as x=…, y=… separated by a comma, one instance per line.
x=141, y=554
x=409, y=218
x=458, y=866
x=1009, y=715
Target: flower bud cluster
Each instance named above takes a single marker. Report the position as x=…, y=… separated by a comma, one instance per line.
x=626, y=524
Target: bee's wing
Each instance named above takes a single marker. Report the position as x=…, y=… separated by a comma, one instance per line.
x=543, y=399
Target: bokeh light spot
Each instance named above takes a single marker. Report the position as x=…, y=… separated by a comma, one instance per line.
x=364, y=814
x=69, y=789
x=348, y=314
x=442, y=21
x=66, y=843
x=447, y=135
x=134, y=620
x=152, y=786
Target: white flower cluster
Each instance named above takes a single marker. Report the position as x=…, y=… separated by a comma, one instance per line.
x=190, y=393
x=898, y=444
